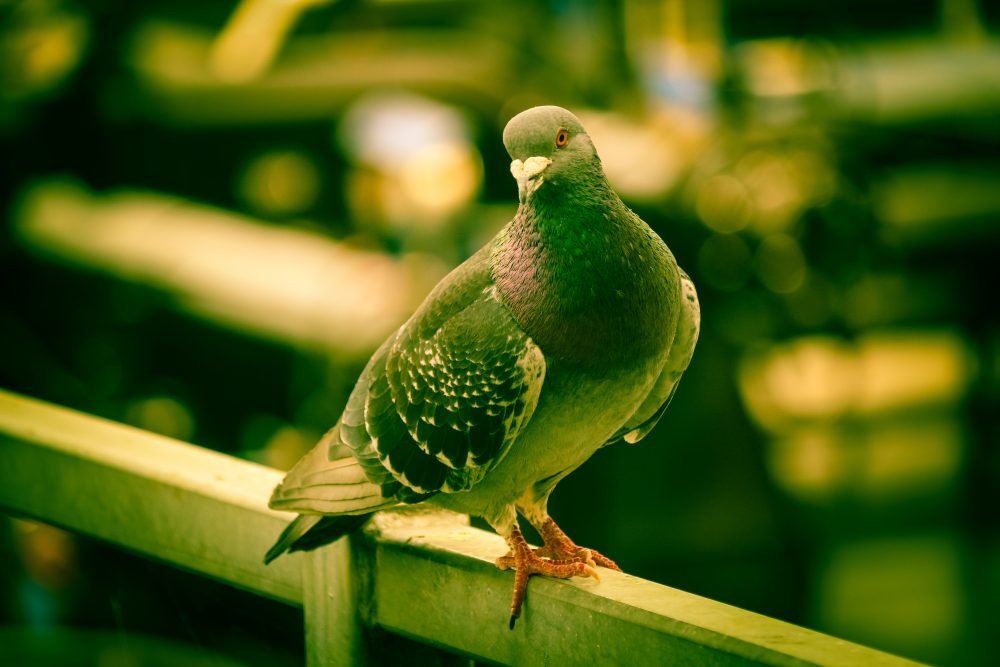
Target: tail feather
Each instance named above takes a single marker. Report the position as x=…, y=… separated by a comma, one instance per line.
x=329, y=480
x=310, y=531
x=331, y=488
x=292, y=532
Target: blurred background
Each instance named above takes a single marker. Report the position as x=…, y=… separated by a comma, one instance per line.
x=214, y=212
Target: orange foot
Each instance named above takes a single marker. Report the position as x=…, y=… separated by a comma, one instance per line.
x=527, y=562
x=561, y=548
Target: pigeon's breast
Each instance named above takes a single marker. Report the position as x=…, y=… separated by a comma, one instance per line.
x=608, y=297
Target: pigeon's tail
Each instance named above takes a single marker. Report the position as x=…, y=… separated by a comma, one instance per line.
x=330, y=490
x=309, y=531
x=328, y=480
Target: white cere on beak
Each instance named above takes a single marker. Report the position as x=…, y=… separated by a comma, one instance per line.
x=527, y=175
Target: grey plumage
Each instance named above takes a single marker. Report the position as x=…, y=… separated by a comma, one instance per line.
x=569, y=331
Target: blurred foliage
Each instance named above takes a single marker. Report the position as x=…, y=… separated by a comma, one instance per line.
x=215, y=211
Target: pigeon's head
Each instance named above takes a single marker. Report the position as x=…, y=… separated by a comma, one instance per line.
x=548, y=144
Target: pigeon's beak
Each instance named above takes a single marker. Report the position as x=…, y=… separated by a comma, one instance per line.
x=528, y=175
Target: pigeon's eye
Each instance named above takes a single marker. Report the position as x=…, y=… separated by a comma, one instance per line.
x=562, y=138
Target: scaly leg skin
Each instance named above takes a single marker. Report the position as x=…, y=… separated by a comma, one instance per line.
x=526, y=562
x=558, y=547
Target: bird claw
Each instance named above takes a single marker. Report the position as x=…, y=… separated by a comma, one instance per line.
x=575, y=554
x=526, y=561
x=559, y=547
x=506, y=562
x=604, y=561
x=550, y=567
x=580, y=555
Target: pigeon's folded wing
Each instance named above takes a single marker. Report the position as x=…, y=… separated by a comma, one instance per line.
x=681, y=351
x=438, y=404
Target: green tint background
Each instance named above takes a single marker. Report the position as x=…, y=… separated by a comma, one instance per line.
x=828, y=175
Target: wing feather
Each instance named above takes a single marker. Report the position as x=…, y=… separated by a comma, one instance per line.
x=328, y=480
x=462, y=386
x=437, y=406
x=681, y=350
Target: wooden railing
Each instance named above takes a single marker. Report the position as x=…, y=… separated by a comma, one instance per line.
x=425, y=576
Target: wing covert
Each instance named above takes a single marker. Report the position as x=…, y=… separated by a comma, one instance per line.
x=441, y=401
x=681, y=350
x=461, y=391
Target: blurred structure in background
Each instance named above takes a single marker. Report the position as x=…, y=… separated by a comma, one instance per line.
x=216, y=210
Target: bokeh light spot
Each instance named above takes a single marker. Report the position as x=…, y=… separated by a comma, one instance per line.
x=280, y=183
x=780, y=264
x=723, y=203
x=724, y=261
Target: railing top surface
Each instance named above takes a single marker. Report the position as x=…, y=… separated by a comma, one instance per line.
x=430, y=578
x=187, y=505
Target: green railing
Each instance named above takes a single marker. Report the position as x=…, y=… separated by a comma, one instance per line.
x=425, y=576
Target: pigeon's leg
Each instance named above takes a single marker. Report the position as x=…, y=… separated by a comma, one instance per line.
x=526, y=562
x=559, y=547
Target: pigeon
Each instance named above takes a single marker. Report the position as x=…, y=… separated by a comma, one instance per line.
x=567, y=332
